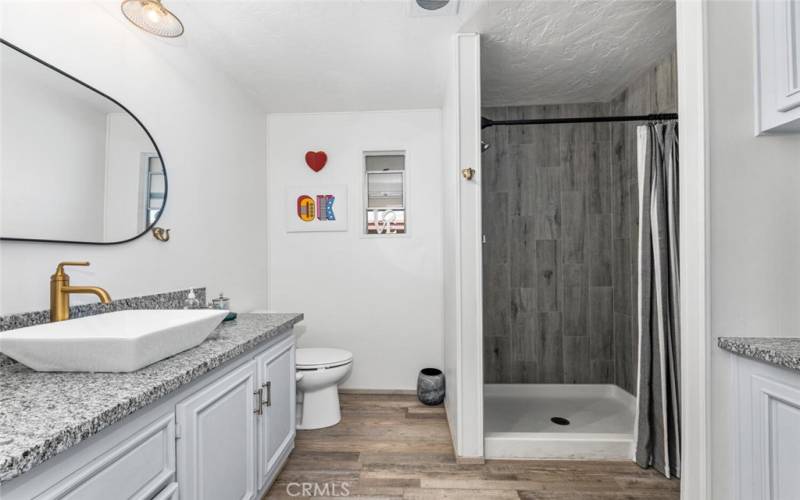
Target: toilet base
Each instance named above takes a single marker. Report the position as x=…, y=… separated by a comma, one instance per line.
x=320, y=409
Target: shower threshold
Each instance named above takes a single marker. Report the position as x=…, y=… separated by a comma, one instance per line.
x=558, y=421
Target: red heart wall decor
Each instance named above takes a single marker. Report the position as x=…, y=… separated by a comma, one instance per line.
x=316, y=160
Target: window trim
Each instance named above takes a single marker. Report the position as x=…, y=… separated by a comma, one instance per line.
x=365, y=191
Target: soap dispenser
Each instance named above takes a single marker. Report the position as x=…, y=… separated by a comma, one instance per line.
x=191, y=301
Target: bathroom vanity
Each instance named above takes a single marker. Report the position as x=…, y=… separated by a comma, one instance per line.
x=216, y=421
x=766, y=381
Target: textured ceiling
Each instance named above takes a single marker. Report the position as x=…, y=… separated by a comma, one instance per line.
x=566, y=51
x=343, y=55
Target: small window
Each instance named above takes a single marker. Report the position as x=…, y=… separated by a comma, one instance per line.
x=384, y=193
x=153, y=190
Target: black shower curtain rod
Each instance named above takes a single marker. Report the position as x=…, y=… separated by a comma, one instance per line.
x=486, y=122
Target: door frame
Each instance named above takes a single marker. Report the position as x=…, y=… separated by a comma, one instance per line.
x=694, y=236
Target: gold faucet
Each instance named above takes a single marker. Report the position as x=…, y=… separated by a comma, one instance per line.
x=60, y=291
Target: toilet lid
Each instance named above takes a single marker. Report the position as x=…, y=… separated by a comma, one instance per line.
x=318, y=357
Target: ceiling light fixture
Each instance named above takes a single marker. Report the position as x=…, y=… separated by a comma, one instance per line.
x=152, y=17
x=432, y=4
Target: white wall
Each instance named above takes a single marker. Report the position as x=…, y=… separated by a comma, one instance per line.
x=212, y=137
x=55, y=141
x=755, y=221
x=378, y=297
x=124, y=210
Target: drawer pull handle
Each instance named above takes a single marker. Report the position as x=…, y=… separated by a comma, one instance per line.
x=268, y=386
x=259, y=394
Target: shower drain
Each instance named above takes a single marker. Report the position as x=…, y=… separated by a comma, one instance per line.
x=559, y=421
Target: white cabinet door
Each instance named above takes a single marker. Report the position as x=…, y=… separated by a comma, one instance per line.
x=787, y=51
x=769, y=432
x=216, y=442
x=277, y=424
x=777, y=65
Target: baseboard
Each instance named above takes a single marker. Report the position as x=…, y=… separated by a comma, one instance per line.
x=380, y=392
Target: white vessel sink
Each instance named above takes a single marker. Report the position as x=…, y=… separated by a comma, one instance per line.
x=121, y=341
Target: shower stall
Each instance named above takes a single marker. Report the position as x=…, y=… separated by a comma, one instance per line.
x=560, y=217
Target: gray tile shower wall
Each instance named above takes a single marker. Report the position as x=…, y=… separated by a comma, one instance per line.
x=559, y=217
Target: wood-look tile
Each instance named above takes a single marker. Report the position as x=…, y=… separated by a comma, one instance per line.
x=394, y=462
x=622, y=172
x=575, y=310
x=520, y=134
x=601, y=323
x=666, y=96
x=523, y=300
x=525, y=372
x=547, y=278
x=598, y=187
x=594, y=228
x=576, y=360
x=574, y=275
x=496, y=299
x=602, y=371
x=429, y=493
x=522, y=248
x=621, y=279
x=524, y=334
x=495, y=168
x=496, y=228
x=522, y=196
x=599, y=250
x=624, y=369
x=546, y=203
x=573, y=227
x=574, y=154
x=548, y=349
x=497, y=360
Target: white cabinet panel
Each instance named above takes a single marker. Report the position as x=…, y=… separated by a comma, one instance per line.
x=787, y=52
x=136, y=469
x=783, y=442
x=277, y=423
x=769, y=432
x=777, y=28
x=216, y=445
x=776, y=434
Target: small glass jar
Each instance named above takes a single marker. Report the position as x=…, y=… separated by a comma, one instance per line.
x=222, y=302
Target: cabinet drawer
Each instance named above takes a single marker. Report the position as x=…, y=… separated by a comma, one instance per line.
x=138, y=468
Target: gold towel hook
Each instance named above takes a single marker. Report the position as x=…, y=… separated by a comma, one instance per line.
x=161, y=234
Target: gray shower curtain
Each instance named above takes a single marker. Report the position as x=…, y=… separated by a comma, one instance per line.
x=658, y=427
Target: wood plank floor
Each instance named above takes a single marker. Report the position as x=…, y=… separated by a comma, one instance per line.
x=394, y=447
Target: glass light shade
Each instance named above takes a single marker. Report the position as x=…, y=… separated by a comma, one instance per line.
x=153, y=17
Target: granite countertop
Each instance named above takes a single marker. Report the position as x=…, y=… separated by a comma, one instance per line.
x=42, y=414
x=777, y=351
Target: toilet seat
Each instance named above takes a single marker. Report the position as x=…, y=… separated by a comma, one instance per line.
x=317, y=358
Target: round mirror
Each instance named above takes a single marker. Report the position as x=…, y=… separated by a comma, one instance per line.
x=75, y=165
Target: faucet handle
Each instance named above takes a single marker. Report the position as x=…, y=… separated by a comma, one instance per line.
x=60, y=266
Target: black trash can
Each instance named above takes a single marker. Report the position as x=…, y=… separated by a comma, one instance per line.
x=430, y=386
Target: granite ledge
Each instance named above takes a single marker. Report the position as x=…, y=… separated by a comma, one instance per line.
x=43, y=414
x=783, y=352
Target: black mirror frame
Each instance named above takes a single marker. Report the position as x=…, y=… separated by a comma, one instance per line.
x=158, y=151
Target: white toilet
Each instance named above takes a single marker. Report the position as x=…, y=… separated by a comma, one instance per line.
x=319, y=372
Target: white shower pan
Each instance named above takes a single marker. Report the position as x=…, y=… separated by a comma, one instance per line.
x=518, y=421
